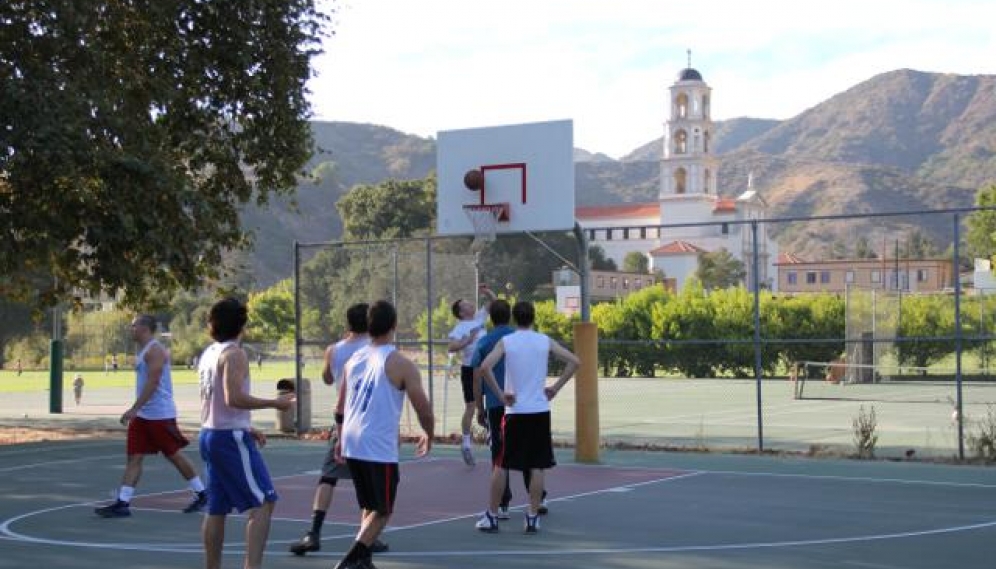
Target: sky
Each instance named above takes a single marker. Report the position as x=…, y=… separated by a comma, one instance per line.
x=422, y=66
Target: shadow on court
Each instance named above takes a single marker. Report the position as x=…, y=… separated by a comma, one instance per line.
x=637, y=510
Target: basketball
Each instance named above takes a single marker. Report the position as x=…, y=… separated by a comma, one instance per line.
x=474, y=180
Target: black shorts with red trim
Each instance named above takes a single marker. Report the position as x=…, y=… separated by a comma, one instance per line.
x=528, y=441
x=467, y=383
x=376, y=484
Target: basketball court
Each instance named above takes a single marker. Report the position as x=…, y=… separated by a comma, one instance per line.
x=635, y=510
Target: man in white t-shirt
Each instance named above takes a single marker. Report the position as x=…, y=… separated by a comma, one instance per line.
x=470, y=327
x=527, y=434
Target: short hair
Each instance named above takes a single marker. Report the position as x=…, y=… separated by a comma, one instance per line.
x=500, y=312
x=356, y=317
x=524, y=313
x=381, y=318
x=226, y=319
x=146, y=320
x=455, y=307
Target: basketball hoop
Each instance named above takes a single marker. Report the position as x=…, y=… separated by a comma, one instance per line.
x=485, y=218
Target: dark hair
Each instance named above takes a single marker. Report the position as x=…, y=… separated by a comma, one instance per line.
x=356, y=316
x=146, y=320
x=227, y=319
x=524, y=313
x=455, y=308
x=381, y=318
x=500, y=312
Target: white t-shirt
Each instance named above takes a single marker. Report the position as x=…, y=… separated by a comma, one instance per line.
x=527, y=355
x=473, y=326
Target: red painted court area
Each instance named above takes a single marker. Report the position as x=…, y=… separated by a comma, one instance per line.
x=437, y=490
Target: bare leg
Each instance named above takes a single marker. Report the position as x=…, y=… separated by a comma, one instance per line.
x=372, y=525
x=323, y=497
x=467, y=419
x=213, y=534
x=499, y=480
x=183, y=465
x=133, y=470
x=257, y=531
x=537, y=477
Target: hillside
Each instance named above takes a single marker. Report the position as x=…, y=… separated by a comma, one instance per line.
x=903, y=140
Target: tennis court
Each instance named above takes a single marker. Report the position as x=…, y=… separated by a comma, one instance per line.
x=635, y=510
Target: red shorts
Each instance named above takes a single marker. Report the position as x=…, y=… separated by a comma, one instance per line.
x=149, y=436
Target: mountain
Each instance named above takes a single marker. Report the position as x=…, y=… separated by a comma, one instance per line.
x=903, y=140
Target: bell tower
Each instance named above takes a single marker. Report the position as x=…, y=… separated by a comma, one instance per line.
x=688, y=167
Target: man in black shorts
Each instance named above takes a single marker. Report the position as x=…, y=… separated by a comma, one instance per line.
x=527, y=433
x=463, y=339
x=377, y=378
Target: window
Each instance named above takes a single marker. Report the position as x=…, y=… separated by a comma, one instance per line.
x=810, y=277
x=921, y=275
x=643, y=233
x=625, y=283
x=849, y=277
x=679, y=180
x=792, y=278
x=876, y=277
x=637, y=283
x=626, y=233
x=600, y=282
x=824, y=277
x=613, y=282
x=681, y=103
x=680, y=142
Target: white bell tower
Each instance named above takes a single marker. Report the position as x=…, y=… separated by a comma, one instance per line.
x=688, y=167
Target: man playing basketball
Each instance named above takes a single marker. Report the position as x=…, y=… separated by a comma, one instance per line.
x=151, y=422
x=377, y=378
x=336, y=357
x=463, y=339
x=527, y=433
x=237, y=475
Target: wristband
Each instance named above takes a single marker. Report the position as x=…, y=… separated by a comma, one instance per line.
x=339, y=418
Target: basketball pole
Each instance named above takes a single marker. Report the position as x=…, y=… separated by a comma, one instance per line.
x=586, y=431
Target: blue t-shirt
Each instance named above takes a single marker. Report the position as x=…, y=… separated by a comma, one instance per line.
x=484, y=347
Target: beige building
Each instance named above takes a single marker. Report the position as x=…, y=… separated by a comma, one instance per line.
x=913, y=275
x=602, y=286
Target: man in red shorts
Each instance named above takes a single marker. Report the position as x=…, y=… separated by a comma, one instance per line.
x=151, y=422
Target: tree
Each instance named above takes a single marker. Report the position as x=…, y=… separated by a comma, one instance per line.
x=981, y=237
x=391, y=209
x=271, y=314
x=599, y=262
x=719, y=269
x=862, y=250
x=636, y=262
x=133, y=132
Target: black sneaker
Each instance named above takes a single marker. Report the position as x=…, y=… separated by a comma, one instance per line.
x=379, y=546
x=198, y=503
x=309, y=542
x=118, y=509
x=544, y=508
x=532, y=524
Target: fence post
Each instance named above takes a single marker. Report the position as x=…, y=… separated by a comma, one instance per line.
x=586, y=431
x=957, y=298
x=756, y=286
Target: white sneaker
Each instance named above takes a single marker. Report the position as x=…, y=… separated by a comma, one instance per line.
x=532, y=523
x=487, y=523
x=543, y=508
x=502, y=514
x=468, y=456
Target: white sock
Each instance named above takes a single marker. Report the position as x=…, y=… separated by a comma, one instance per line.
x=196, y=485
x=466, y=441
x=125, y=493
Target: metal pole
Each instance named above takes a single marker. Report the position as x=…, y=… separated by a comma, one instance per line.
x=755, y=285
x=430, y=307
x=958, y=386
x=583, y=272
x=297, y=338
x=55, y=364
x=394, y=290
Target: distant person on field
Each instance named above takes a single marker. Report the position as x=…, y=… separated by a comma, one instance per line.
x=78, y=387
x=19, y=367
x=114, y=362
x=237, y=475
x=463, y=340
x=151, y=422
x=336, y=356
x=527, y=432
x=259, y=360
x=377, y=378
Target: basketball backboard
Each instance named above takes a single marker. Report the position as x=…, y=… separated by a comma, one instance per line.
x=530, y=167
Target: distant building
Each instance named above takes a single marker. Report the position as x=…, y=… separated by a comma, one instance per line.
x=602, y=286
x=913, y=275
x=689, y=194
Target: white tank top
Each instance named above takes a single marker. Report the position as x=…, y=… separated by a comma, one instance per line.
x=527, y=354
x=215, y=414
x=373, y=407
x=161, y=405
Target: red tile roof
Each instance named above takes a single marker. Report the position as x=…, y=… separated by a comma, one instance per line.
x=789, y=259
x=724, y=205
x=618, y=211
x=677, y=248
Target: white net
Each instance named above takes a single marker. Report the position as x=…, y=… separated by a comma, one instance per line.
x=485, y=220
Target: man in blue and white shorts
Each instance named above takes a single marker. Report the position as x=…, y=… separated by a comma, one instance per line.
x=237, y=476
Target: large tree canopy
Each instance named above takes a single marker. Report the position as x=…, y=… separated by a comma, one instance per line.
x=131, y=132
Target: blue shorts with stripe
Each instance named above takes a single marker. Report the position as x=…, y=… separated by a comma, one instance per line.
x=237, y=475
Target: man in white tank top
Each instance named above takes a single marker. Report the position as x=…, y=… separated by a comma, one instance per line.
x=336, y=356
x=237, y=475
x=377, y=378
x=151, y=422
x=527, y=434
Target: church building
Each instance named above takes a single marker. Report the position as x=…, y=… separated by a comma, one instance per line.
x=689, y=203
